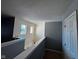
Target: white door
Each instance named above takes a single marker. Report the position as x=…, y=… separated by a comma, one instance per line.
x=73, y=35
x=70, y=35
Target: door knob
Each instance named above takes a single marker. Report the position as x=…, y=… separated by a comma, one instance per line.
x=64, y=44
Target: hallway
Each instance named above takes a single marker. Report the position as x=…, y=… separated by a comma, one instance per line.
x=39, y=29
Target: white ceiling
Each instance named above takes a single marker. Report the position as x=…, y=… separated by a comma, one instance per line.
x=35, y=9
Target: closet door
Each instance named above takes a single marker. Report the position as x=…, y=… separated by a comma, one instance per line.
x=70, y=36
x=66, y=36
x=73, y=35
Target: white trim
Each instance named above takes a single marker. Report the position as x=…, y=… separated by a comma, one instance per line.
x=73, y=13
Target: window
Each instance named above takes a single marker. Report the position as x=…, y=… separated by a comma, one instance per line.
x=23, y=29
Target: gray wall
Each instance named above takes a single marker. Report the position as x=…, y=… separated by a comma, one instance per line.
x=53, y=32
x=12, y=50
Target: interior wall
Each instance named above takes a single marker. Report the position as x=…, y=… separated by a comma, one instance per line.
x=53, y=32
x=29, y=38
x=12, y=50
x=40, y=30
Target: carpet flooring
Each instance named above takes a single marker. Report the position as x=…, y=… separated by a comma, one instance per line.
x=52, y=55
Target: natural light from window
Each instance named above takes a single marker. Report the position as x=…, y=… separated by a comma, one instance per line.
x=23, y=29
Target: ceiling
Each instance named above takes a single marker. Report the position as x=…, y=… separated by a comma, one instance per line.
x=35, y=9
